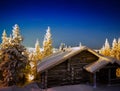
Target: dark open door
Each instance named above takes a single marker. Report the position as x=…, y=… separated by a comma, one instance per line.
x=107, y=75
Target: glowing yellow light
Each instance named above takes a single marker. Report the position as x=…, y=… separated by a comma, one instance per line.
x=32, y=64
x=30, y=77
x=118, y=72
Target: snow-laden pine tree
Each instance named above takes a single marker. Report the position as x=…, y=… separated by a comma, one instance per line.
x=80, y=44
x=62, y=47
x=16, y=34
x=118, y=50
x=4, y=37
x=114, y=48
x=4, y=40
x=101, y=51
x=33, y=67
x=47, y=44
x=38, y=54
x=13, y=59
x=10, y=40
x=106, y=48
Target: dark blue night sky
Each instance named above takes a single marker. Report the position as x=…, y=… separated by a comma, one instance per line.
x=71, y=21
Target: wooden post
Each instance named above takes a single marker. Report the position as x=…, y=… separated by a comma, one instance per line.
x=94, y=80
x=109, y=77
x=68, y=66
x=72, y=75
x=46, y=75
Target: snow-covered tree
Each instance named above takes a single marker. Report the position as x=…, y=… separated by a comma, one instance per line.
x=62, y=46
x=13, y=65
x=114, y=48
x=34, y=57
x=4, y=37
x=118, y=50
x=101, y=51
x=47, y=44
x=38, y=54
x=80, y=44
x=16, y=34
x=33, y=67
x=4, y=40
x=13, y=59
x=105, y=50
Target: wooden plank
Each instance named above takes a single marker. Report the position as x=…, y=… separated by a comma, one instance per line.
x=46, y=73
x=72, y=75
x=68, y=66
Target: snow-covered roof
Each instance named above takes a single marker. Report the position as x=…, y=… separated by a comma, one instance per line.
x=57, y=58
x=100, y=63
x=60, y=57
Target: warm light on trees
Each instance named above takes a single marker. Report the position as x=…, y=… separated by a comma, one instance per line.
x=101, y=51
x=4, y=40
x=47, y=44
x=114, y=51
x=34, y=57
x=118, y=50
x=16, y=34
x=114, y=48
x=33, y=67
x=13, y=59
x=38, y=54
x=4, y=37
x=16, y=63
x=105, y=50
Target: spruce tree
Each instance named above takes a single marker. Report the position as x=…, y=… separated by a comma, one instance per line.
x=114, y=48
x=38, y=54
x=13, y=60
x=105, y=50
x=16, y=34
x=118, y=50
x=4, y=39
x=47, y=44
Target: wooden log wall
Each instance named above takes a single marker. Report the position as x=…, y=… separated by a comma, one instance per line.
x=70, y=71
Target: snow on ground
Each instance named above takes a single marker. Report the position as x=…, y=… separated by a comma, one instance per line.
x=80, y=87
x=71, y=88
x=85, y=88
x=29, y=87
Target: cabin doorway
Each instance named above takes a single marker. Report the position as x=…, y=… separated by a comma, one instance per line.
x=102, y=76
x=108, y=75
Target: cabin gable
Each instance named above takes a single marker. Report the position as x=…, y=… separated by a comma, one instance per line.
x=84, y=57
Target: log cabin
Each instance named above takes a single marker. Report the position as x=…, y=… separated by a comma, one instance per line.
x=78, y=65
